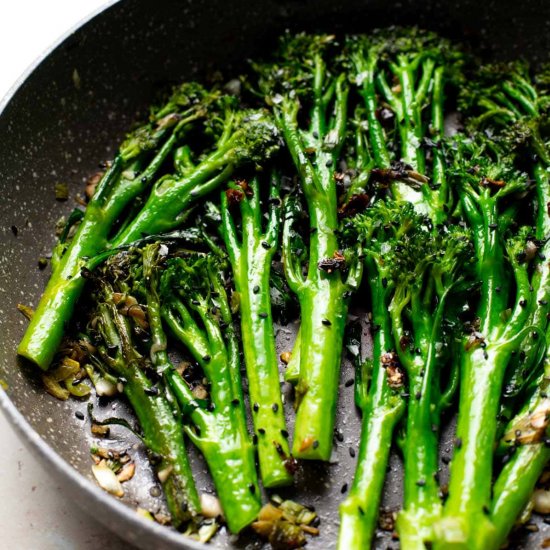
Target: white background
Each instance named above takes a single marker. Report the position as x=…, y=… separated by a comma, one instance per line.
x=34, y=514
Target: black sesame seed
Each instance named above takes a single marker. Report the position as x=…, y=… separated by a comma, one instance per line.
x=14, y=230
x=328, y=163
x=262, y=315
x=274, y=407
x=256, y=289
x=256, y=407
x=315, y=444
x=153, y=390
x=79, y=415
x=352, y=452
x=316, y=521
x=344, y=488
x=421, y=482
x=206, y=358
x=266, y=245
x=326, y=322
x=349, y=382
x=261, y=431
x=339, y=436
x=284, y=433
x=252, y=488
x=195, y=302
x=458, y=442
x=445, y=459
x=543, y=302
x=523, y=303
x=235, y=402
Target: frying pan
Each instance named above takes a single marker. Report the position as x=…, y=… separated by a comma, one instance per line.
x=71, y=110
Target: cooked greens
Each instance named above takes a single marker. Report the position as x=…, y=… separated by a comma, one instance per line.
x=393, y=176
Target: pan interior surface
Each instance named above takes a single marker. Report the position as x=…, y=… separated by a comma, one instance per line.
x=71, y=111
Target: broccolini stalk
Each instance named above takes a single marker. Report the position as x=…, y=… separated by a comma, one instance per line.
x=132, y=171
x=381, y=403
x=511, y=317
x=250, y=255
x=195, y=307
x=118, y=354
x=416, y=60
x=247, y=136
x=300, y=80
x=403, y=74
x=525, y=438
x=432, y=269
x=503, y=323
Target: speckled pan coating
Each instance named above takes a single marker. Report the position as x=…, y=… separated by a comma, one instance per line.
x=68, y=113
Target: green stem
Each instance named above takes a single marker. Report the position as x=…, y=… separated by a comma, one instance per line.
x=422, y=505
x=321, y=296
x=222, y=435
x=516, y=482
x=47, y=327
x=381, y=411
x=162, y=430
x=251, y=265
x=321, y=340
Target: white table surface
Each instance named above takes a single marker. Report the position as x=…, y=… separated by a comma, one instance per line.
x=34, y=514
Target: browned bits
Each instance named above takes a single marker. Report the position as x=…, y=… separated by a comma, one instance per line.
x=285, y=357
x=394, y=373
x=386, y=520
x=329, y=265
x=357, y=203
x=307, y=442
x=474, y=340
x=234, y=196
x=495, y=185
x=92, y=183
x=243, y=184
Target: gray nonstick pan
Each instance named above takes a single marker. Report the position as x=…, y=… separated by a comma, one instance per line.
x=69, y=112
